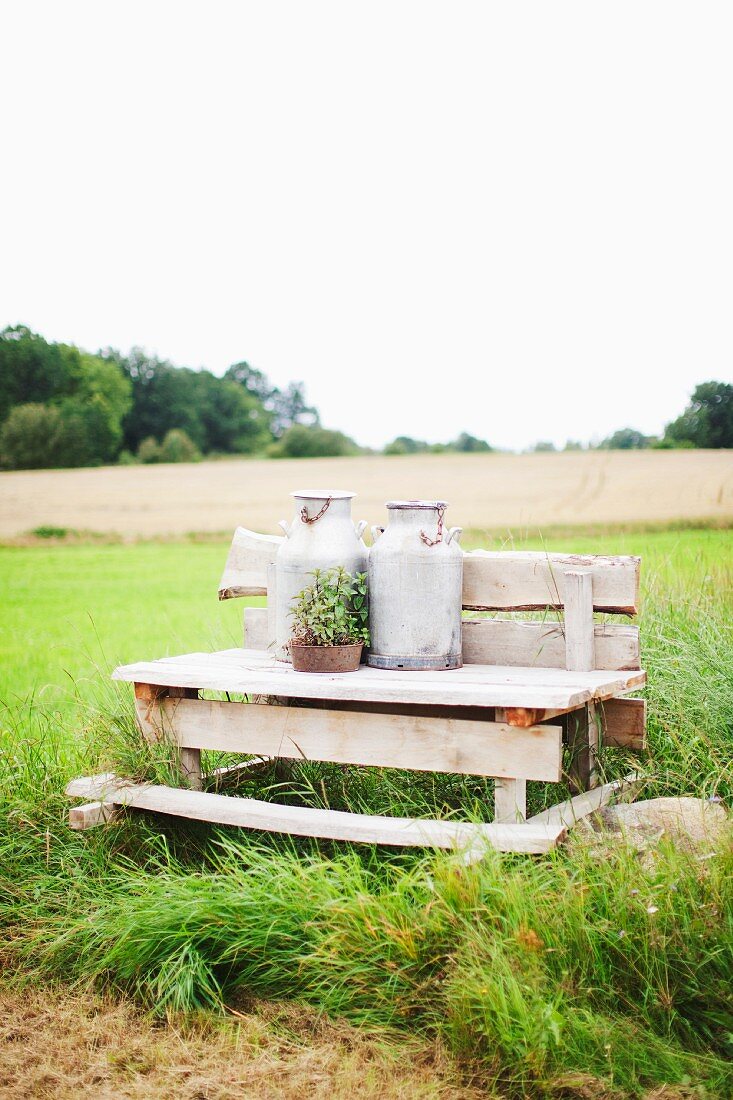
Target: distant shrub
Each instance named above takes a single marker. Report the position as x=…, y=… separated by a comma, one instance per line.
x=178, y=447
x=31, y=437
x=304, y=442
x=126, y=458
x=406, y=445
x=48, y=532
x=149, y=450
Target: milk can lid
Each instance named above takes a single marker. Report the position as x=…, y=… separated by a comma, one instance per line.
x=428, y=504
x=323, y=494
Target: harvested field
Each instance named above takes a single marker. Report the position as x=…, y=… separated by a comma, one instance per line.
x=495, y=491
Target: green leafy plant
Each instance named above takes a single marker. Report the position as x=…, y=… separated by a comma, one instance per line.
x=333, y=610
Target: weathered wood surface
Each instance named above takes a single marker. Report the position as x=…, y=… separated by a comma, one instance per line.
x=623, y=723
x=328, y=824
x=466, y=747
x=542, y=644
x=106, y=785
x=567, y=813
x=510, y=642
x=510, y=794
x=93, y=814
x=256, y=628
x=245, y=571
x=146, y=698
x=580, y=650
x=582, y=725
x=250, y=671
x=503, y=580
x=510, y=580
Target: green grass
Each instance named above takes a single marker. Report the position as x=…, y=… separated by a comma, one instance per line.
x=585, y=973
x=73, y=612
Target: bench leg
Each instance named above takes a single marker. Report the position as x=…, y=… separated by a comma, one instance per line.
x=583, y=746
x=146, y=696
x=510, y=795
x=510, y=801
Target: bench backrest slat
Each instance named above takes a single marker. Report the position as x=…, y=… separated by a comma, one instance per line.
x=506, y=642
x=504, y=580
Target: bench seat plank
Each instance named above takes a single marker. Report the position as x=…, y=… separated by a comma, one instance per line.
x=255, y=672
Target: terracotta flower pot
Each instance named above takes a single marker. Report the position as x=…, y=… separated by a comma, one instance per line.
x=321, y=658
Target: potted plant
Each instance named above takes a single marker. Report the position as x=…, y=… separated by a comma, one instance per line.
x=330, y=622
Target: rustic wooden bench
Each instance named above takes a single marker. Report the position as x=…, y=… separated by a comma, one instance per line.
x=526, y=688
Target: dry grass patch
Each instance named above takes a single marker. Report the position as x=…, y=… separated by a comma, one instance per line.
x=59, y=1045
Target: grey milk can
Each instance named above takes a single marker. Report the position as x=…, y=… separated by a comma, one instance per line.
x=321, y=535
x=415, y=589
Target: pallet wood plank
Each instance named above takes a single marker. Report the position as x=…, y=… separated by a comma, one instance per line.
x=504, y=580
x=333, y=824
x=106, y=785
x=580, y=650
x=250, y=671
x=542, y=644
x=189, y=756
x=508, y=642
x=245, y=571
x=510, y=794
x=582, y=727
x=623, y=723
x=93, y=814
x=528, y=581
x=587, y=802
x=256, y=635
x=372, y=740
x=582, y=738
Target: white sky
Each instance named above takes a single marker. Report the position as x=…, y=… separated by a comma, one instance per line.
x=514, y=219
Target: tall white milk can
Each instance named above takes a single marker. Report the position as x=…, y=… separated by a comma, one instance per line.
x=321, y=535
x=415, y=589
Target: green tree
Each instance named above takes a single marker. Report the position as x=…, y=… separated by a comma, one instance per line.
x=626, y=439
x=217, y=414
x=469, y=444
x=163, y=397
x=233, y=418
x=32, y=371
x=406, y=445
x=708, y=419
x=93, y=413
x=283, y=407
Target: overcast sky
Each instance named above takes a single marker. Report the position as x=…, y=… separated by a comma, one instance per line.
x=514, y=219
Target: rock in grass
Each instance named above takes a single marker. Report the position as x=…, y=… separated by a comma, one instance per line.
x=694, y=824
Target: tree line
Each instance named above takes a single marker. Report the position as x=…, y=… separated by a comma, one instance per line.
x=62, y=406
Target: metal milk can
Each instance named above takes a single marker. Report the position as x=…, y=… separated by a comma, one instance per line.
x=321, y=535
x=415, y=589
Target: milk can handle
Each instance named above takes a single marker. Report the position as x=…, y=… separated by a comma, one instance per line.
x=454, y=534
x=360, y=528
x=285, y=526
x=376, y=531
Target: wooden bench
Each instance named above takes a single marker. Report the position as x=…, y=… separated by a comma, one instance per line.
x=526, y=688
